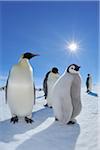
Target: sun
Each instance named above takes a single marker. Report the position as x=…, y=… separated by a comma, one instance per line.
x=73, y=46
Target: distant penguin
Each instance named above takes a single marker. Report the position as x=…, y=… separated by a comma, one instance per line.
x=66, y=95
x=89, y=83
x=20, y=89
x=45, y=88
x=49, y=80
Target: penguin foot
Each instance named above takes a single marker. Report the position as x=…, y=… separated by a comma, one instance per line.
x=71, y=122
x=56, y=119
x=88, y=91
x=28, y=120
x=46, y=105
x=50, y=107
x=14, y=119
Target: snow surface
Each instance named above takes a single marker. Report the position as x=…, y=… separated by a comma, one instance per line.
x=47, y=134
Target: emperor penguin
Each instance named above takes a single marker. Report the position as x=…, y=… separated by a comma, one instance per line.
x=49, y=80
x=66, y=95
x=20, y=89
x=89, y=83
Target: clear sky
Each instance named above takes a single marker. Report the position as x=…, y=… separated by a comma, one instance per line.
x=45, y=28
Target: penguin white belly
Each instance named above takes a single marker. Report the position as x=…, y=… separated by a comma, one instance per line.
x=90, y=85
x=49, y=101
x=50, y=83
x=62, y=100
x=20, y=92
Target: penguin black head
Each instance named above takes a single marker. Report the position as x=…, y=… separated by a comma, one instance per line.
x=73, y=68
x=29, y=55
x=88, y=75
x=54, y=70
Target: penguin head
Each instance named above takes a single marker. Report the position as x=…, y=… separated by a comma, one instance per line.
x=73, y=69
x=29, y=55
x=89, y=75
x=54, y=70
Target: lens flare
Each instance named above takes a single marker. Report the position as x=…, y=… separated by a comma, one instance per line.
x=73, y=46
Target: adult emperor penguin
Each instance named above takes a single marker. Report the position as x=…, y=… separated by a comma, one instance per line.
x=49, y=80
x=89, y=83
x=66, y=95
x=20, y=89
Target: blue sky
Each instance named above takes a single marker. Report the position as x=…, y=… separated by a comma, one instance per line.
x=44, y=28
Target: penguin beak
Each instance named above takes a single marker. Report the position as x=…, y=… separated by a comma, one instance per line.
x=33, y=55
x=77, y=68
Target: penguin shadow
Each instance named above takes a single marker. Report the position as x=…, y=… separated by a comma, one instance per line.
x=56, y=137
x=93, y=94
x=42, y=114
x=8, y=130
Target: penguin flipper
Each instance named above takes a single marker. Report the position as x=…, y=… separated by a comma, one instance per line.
x=6, y=87
x=34, y=94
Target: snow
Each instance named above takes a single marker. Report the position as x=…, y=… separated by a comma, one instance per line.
x=47, y=134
